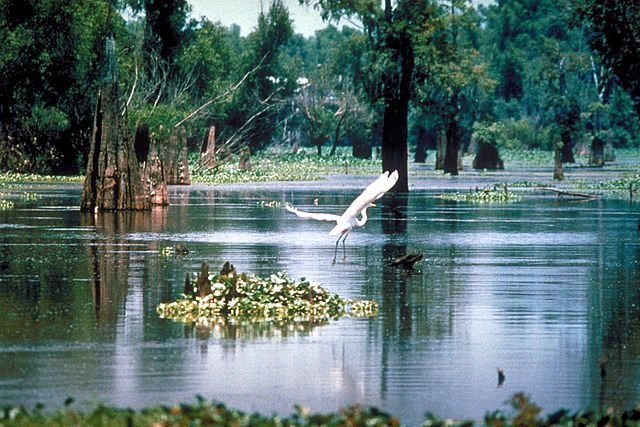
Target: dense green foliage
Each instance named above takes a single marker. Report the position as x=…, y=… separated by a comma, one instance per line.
x=545, y=73
x=612, y=31
x=47, y=81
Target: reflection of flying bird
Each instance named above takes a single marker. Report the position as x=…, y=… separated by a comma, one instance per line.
x=357, y=208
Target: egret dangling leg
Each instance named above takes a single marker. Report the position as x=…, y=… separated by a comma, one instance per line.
x=344, y=250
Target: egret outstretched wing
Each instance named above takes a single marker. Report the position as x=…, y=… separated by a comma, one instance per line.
x=373, y=192
x=356, y=213
x=313, y=215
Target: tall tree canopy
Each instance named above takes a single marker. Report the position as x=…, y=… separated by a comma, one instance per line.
x=48, y=67
x=451, y=76
x=255, y=110
x=613, y=30
x=166, y=20
x=391, y=30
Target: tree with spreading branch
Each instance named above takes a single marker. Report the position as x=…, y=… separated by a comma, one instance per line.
x=391, y=30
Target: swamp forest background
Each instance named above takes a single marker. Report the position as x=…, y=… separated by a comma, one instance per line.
x=405, y=76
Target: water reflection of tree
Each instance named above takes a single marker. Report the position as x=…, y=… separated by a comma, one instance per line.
x=111, y=254
x=415, y=304
x=36, y=284
x=614, y=319
x=395, y=307
x=226, y=330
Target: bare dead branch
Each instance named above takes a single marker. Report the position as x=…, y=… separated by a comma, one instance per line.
x=232, y=143
x=133, y=88
x=254, y=116
x=560, y=193
x=225, y=94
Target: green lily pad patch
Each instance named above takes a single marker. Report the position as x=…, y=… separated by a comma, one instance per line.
x=486, y=195
x=239, y=298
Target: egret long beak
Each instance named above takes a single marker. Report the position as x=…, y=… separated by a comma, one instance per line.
x=372, y=205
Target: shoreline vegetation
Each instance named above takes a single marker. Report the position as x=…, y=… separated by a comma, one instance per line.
x=523, y=170
x=524, y=413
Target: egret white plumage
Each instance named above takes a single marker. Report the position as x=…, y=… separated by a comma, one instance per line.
x=356, y=213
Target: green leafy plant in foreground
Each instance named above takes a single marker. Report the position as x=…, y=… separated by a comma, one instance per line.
x=230, y=297
x=205, y=412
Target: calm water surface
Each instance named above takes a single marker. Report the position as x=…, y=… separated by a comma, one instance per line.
x=543, y=289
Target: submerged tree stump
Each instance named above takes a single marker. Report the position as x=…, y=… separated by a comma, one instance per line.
x=153, y=177
x=244, y=163
x=173, y=152
x=112, y=180
x=407, y=261
x=208, y=148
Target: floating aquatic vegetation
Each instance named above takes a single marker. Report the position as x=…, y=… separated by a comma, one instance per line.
x=486, y=195
x=271, y=204
x=11, y=178
x=177, y=249
x=6, y=204
x=235, y=298
x=278, y=165
x=629, y=184
x=28, y=195
x=167, y=251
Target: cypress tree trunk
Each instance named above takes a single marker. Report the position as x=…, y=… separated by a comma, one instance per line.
x=451, y=151
x=558, y=172
x=441, y=144
x=396, y=112
x=394, y=142
x=153, y=178
x=567, y=149
x=421, y=146
x=452, y=159
x=208, y=148
x=487, y=157
x=112, y=181
x=361, y=147
x=596, y=156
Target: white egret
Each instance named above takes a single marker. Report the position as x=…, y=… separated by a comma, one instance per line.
x=357, y=208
